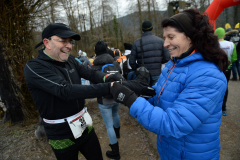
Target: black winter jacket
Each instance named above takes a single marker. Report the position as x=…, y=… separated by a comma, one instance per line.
x=154, y=53
x=100, y=61
x=57, y=91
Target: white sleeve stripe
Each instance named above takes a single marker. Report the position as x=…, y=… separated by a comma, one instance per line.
x=44, y=78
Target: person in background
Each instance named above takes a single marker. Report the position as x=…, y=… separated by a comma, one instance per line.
x=54, y=81
x=155, y=54
x=186, y=111
x=128, y=48
x=117, y=53
x=230, y=50
x=107, y=106
x=83, y=58
x=92, y=58
x=79, y=54
x=233, y=36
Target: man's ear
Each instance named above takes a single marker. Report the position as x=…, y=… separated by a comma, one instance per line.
x=46, y=43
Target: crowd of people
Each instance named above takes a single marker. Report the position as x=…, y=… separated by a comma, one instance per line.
x=182, y=103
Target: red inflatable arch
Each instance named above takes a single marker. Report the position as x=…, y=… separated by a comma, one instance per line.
x=216, y=8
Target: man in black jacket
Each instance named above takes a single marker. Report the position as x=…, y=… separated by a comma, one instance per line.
x=154, y=53
x=54, y=80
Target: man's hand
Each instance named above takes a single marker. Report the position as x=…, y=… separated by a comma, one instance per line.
x=113, y=77
x=140, y=88
x=123, y=94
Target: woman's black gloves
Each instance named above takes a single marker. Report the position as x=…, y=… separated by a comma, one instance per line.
x=128, y=91
x=140, y=88
x=123, y=94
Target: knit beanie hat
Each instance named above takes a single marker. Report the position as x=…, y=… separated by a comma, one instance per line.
x=84, y=54
x=228, y=29
x=128, y=46
x=220, y=32
x=147, y=26
x=100, y=48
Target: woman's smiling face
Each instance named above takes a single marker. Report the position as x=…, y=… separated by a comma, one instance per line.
x=176, y=42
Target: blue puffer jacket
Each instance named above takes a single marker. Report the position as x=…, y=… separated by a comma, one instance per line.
x=187, y=115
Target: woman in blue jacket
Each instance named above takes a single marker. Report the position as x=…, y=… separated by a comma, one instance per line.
x=186, y=111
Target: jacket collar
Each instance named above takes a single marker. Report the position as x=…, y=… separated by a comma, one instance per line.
x=43, y=56
x=188, y=57
x=147, y=33
x=185, y=54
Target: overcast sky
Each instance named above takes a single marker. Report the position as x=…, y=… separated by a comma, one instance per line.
x=123, y=7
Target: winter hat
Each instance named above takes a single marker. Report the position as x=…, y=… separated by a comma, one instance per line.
x=84, y=54
x=147, y=26
x=220, y=32
x=100, y=48
x=228, y=29
x=60, y=30
x=128, y=46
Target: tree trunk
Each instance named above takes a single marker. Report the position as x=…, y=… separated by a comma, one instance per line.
x=16, y=36
x=149, y=11
x=8, y=93
x=155, y=18
x=140, y=16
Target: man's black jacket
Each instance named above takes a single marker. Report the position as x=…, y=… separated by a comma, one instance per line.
x=57, y=91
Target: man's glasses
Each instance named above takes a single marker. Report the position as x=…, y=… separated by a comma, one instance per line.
x=65, y=42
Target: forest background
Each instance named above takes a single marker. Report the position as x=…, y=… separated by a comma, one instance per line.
x=22, y=22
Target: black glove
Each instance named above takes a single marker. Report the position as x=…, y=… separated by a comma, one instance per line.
x=140, y=88
x=114, y=77
x=148, y=92
x=123, y=94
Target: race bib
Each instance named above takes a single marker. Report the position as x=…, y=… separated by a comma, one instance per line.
x=80, y=123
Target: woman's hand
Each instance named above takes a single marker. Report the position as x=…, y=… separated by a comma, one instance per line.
x=122, y=94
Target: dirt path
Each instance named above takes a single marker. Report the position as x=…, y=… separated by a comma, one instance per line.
x=18, y=142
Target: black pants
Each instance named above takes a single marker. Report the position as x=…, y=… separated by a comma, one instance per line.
x=227, y=74
x=91, y=150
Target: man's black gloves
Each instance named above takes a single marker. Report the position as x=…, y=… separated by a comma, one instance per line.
x=140, y=88
x=113, y=77
x=123, y=94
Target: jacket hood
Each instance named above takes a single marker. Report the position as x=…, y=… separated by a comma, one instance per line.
x=232, y=32
x=103, y=59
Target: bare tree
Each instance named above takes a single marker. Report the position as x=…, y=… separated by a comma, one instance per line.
x=140, y=15
x=15, y=39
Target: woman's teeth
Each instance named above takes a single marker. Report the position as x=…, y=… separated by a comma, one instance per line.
x=172, y=49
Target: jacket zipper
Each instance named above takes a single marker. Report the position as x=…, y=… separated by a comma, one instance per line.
x=171, y=68
x=71, y=83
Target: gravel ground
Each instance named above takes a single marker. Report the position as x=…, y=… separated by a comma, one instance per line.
x=18, y=142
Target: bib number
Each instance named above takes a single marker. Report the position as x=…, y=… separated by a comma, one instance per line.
x=80, y=123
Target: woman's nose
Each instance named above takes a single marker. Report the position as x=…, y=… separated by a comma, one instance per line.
x=166, y=43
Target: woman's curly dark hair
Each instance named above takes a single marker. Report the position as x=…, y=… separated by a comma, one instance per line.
x=203, y=38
